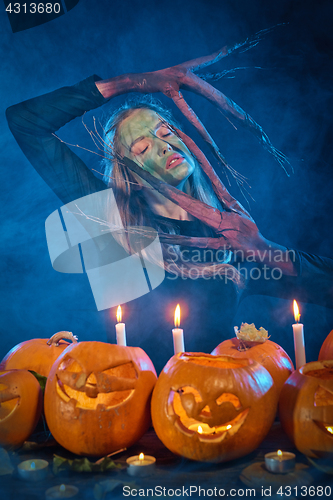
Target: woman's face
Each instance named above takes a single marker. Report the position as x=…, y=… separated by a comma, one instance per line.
x=147, y=140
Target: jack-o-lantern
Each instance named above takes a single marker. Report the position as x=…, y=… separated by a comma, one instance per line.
x=20, y=406
x=326, y=350
x=97, y=397
x=213, y=408
x=306, y=408
x=37, y=355
x=269, y=354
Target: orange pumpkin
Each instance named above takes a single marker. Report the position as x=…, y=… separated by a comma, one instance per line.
x=213, y=408
x=306, y=409
x=37, y=355
x=270, y=355
x=326, y=350
x=20, y=406
x=97, y=397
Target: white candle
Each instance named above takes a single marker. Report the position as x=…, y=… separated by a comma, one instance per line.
x=178, y=335
x=280, y=462
x=120, y=329
x=33, y=470
x=141, y=465
x=298, y=338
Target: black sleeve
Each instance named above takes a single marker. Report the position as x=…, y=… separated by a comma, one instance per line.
x=34, y=121
x=313, y=282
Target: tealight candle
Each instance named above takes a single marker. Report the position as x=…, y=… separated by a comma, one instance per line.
x=298, y=338
x=177, y=333
x=280, y=462
x=62, y=491
x=141, y=465
x=120, y=329
x=33, y=470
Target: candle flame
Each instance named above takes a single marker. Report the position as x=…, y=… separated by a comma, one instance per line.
x=329, y=429
x=62, y=487
x=279, y=453
x=200, y=429
x=177, y=316
x=141, y=456
x=296, y=312
x=119, y=314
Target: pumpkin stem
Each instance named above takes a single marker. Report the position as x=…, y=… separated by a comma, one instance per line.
x=54, y=340
x=242, y=345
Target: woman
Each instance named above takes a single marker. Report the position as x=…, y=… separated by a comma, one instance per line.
x=210, y=284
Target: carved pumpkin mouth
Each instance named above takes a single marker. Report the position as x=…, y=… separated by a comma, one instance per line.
x=8, y=402
x=328, y=429
x=323, y=398
x=8, y=407
x=104, y=389
x=211, y=422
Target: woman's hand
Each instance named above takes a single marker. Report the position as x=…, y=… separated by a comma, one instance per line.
x=171, y=80
x=234, y=226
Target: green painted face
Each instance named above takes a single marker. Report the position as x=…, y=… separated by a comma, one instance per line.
x=148, y=141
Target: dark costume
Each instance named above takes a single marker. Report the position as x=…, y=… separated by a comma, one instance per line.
x=33, y=122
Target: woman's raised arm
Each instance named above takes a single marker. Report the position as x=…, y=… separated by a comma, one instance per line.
x=33, y=124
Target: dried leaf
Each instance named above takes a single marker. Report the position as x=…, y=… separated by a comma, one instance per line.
x=250, y=333
x=82, y=465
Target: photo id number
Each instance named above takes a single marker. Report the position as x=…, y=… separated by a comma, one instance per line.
x=33, y=8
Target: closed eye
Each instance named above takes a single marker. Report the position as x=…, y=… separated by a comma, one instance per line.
x=143, y=151
x=163, y=131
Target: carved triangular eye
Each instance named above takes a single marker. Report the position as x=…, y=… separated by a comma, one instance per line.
x=323, y=397
x=126, y=370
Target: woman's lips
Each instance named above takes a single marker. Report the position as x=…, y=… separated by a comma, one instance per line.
x=174, y=160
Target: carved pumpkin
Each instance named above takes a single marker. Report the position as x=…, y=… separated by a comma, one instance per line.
x=306, y=408
x=232, y=401
x=97, y=397
x=20, y=406
x=270, y=355
x=326, y=350
x=37, y=354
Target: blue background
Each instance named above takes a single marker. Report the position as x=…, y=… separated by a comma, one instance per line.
x=290, y=97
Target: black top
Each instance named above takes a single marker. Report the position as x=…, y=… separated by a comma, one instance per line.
x=208, y=305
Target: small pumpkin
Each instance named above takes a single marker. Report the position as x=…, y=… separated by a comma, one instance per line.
x=306, y=409
x=213, y=408
x=20, y=406
x=37, y=355
x=326, y=350
x=269, y=354
x=97, y=397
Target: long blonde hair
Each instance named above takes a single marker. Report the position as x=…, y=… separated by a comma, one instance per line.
x=132, y=205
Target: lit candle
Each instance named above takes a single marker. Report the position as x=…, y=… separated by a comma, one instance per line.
x=141, y=465
x=298, y=338
x=62, y=491
x=33, y=470
x=120, y=329
x=202, y=428
x=280, y=462
x=178, y=336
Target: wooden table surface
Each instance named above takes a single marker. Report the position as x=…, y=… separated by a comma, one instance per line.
x=181, y=478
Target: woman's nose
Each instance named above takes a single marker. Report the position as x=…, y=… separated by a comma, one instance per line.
x=164, y=148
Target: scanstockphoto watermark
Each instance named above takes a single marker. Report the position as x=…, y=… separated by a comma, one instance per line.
x=188, y=491
x=208, y=264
